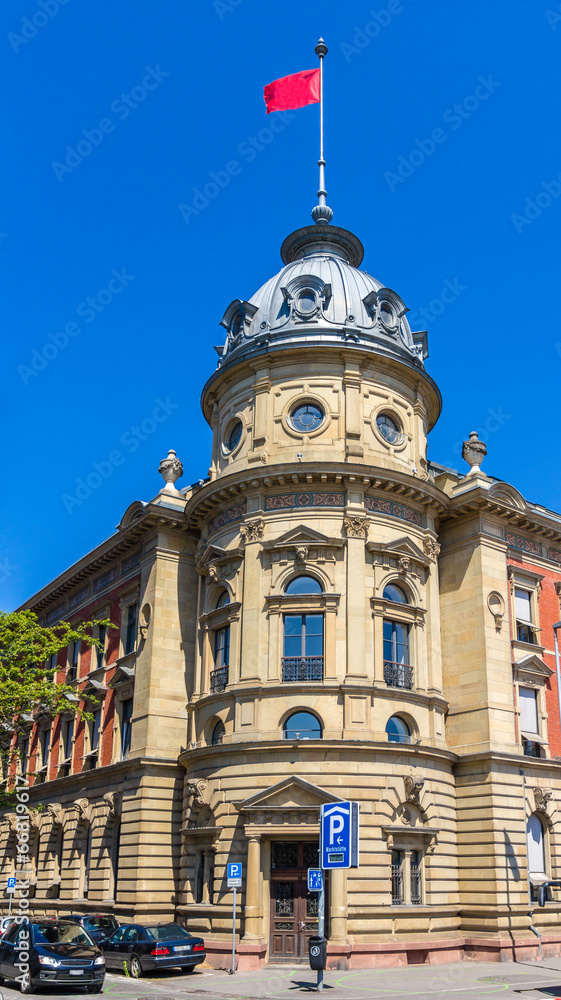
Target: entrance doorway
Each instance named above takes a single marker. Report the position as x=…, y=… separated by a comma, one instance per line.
x=294, y=910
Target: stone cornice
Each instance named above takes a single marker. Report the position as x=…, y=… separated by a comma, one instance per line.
x=342, y=747
x=103, y=556
x=403, y=488
x=523, y=519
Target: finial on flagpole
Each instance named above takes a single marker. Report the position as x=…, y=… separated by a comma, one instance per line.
x=321, y=214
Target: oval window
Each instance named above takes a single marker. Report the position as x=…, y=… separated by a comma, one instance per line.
x=393, y=593
x=307, y=300
x=306, y=417
x=233, y=436
x=304, y=585
x=388, y=428
x=302, y=726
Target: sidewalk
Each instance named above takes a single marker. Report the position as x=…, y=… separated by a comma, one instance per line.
x=457, y=981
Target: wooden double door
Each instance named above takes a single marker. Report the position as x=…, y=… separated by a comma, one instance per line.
x=294, y=910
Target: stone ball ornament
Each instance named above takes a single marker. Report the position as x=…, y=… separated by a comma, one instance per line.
x=171, y=469
x=473, y=452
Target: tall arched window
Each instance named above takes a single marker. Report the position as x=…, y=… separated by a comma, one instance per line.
x=303, y=636
x=397, y=659
x=218, y=733
x=302, y=726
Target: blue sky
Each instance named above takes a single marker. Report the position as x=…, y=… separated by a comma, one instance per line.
x=442, y=130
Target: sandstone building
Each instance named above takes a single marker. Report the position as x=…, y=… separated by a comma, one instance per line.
x=327, y=616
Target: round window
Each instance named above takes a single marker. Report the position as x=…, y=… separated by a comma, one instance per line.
x=388, y=428
x=233, y=436
x=398, y=731
x=387, y=315
x=307, y=300
x=306, y=418
x=393, y=593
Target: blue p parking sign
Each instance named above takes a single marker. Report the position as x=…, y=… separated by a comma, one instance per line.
x=234, y=875
x=339, y=835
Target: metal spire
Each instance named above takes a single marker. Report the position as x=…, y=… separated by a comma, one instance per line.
x=321, y=214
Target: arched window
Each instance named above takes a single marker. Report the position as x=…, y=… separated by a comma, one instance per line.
x=394, y=593
x=398, y=731
x=302, y=726
x=304, y=585
x=223, y=599
x=217, y=733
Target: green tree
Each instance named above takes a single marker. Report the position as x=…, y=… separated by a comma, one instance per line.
x=28, y=687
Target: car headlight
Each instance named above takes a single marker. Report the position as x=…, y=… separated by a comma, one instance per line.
x=99, y=960
x=47, y=960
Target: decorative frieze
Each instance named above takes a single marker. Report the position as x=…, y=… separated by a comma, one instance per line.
x=356, y=527
x=105, y=579
x=55, y=615
x=378, y=505
x=523, y=544
x=78, y=597
x=227, y=516
x=288, y=501
x=131, y=562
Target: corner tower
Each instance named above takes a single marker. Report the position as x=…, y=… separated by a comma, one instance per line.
x=321, y=365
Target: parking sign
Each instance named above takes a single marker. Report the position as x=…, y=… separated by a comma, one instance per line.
x=234, y=875
x=11, y=884
x=339, y=835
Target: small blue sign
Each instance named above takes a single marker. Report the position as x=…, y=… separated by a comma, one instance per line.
x=11, y=883
x=234, y=875
x=339, y=835
x=315, y=880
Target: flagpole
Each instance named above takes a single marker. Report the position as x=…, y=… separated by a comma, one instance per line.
x=321, y=213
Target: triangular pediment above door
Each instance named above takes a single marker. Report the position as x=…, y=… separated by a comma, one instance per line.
x=291, y=793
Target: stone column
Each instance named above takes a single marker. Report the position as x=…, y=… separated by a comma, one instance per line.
x=252, y=532
x=357, y=532
x=252, y=910
x=338, y=905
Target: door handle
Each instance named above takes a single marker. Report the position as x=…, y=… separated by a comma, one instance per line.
x=302, y=925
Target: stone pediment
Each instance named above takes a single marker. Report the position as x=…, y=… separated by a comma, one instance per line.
x=532, y=667
x=402, y=547
x=214, y=556
x=302, y=535
x=293, y=793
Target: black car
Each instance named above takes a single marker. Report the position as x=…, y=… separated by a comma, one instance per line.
x=43, y=952
x=136, y=949
x=98, y=925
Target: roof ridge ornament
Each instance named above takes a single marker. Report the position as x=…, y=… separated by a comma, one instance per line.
x=321, y=214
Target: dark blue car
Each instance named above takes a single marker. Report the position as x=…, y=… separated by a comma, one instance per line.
x=44, y=952
x=137, y=949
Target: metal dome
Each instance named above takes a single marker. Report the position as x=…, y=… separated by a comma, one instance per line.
x=321, y=297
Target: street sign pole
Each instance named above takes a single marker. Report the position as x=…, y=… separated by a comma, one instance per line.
x=321, y=928
x=233, y=969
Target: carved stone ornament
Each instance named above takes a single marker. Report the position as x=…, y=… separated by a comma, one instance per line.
x=496, y=606
x=171, y=469
x=113, y=801
x=431, y=548
x=196, y=788
x=212, y=572
x=541, y=798
x=253, y=531
x=301, y=553
x=356, y=527
x=145, y=616
x=82, y=808
x=404, y=565
x=473, y=452
x=413, y=789
x=54, y=809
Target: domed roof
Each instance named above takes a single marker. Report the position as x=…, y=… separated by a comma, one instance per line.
x=321, y=297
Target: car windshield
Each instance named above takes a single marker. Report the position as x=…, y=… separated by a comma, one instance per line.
x=59, y=932
x=101, y=923
x=166, y=932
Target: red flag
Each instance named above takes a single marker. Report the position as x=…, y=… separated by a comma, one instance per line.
x=293, y=91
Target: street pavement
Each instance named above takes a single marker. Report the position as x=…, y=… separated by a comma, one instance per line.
x=458, y=981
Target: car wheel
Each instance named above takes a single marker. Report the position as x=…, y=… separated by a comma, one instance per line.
x=187, y=968
x=26, y=986
x=135, y=967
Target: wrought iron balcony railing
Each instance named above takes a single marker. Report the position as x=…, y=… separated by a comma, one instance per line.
x=219, y=679
x=302, y=668
x=398, y=675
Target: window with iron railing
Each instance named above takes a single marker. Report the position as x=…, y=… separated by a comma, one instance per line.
x=397, y=878
x=303, y=648
x=525, y=628
x=416, y=881
x=397, y=670
x=220, y=675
